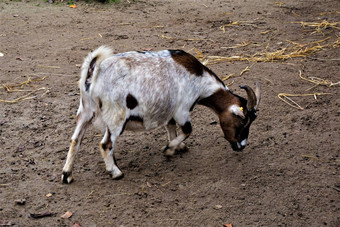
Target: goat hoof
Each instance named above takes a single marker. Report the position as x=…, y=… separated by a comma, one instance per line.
x=117, y=177
x=115, y=173
x=67, y=177
x=182, y=148
x=168, y=151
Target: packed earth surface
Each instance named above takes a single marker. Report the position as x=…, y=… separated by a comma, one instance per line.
x=288, y=175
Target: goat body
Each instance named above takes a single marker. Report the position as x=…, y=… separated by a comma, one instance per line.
x=145, y=90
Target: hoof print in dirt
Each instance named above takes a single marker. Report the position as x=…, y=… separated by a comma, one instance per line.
x=67, y=178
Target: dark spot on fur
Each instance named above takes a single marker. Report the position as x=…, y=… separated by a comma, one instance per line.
x=131, y=101
x=90, y=74
x=104, y=146
x=172, y=122
x=100, y=104
x=141, y=52
x=186, y=128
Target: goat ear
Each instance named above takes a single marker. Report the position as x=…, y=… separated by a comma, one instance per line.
x=237, y=110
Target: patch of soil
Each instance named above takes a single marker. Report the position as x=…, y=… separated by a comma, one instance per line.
x=287, y=176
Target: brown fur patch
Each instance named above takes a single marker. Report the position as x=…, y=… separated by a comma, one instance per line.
x=188, y=61
x=192, y=64
x=78, y=117
x=220, y=100
x=90, y=73
x=172, y=122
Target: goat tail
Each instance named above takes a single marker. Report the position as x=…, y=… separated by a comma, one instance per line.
x=90, y=67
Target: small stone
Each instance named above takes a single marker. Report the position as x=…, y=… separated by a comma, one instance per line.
x=20, y=201
x=217, y=207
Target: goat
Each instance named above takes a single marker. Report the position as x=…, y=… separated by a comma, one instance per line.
x=142, y=90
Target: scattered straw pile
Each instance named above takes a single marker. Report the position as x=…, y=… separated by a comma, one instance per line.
x=185, y=39
x=286, y=98
x=295, y=50
x=22, y=87
x=316, y=81
x=319, y=27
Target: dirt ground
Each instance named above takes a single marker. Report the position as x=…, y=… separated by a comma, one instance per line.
x=288, y=175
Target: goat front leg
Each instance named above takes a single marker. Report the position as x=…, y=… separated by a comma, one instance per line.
x=106, y=148
x=172, y=134
x=83, y=120
x=176, y=144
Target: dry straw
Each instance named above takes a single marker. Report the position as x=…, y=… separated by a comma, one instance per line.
x=234, y=23
x=285, y=97
x=28, y=82
x=318, y=81
x=184, y=39
x=296, y=50
x=319, y=27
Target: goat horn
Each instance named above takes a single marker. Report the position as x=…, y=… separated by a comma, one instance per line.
x=258, y=95
x=251, y=103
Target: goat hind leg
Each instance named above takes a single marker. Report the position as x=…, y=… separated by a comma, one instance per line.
x=106, y=149
x=83, y=120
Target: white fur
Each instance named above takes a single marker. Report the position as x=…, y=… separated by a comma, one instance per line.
x=235, y=109
x=243, y=143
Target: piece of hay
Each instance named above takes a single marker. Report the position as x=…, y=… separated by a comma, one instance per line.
x=234, y=23
x=336, y=43
x=265, y=32
x=9, y=88
x=28, y=82
x=285, y=98
x=318, y=81
x=329, y=13
x=244, y=70
x=227, y=77
x=230, y=24
x=25, y=97
x=185, y=39
x=280, y=4
x=295, y=51
x=319, y=27
x=242, y=44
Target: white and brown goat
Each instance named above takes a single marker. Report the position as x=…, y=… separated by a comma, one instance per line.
x=145, y=90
